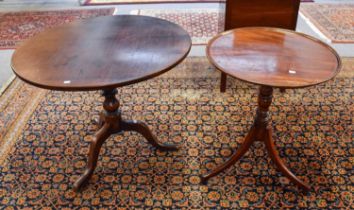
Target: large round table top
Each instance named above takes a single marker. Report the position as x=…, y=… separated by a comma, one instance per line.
x=273, y=57
x=101, y=53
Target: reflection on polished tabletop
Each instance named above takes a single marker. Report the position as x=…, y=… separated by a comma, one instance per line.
x=273, y=57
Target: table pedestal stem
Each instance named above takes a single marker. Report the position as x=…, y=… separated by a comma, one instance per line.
x=110, y=123
x=260, y=131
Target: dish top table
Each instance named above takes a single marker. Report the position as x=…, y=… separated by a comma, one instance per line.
x=270, y=57
x=102, y=54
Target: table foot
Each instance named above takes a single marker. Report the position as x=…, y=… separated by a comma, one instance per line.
x=94, y=151
x=83, y=180
x=272, y=151
x=234, y=158
x=144, y=130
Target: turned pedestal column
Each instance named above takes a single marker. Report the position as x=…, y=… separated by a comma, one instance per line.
x=110, y=123
x=260, y=131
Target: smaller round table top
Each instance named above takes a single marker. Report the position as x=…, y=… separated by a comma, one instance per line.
x=273, y=57
x=101, y=53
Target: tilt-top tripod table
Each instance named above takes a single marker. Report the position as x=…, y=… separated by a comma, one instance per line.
x=270, y=57
x=102, y=54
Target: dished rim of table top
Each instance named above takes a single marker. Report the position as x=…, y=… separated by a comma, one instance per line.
x=273, y=29
x=108, y=86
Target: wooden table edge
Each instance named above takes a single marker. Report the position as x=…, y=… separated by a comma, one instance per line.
x=213, y=62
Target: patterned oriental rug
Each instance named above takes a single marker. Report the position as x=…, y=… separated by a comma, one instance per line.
x=334, y=21
x=110, y=2
x=201, y=24
x=45, y=137
x=18, y=26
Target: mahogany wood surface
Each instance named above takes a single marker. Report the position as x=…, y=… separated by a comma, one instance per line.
x=273, y=57
x=250, y=13
x=101, y=53
x=270, y=13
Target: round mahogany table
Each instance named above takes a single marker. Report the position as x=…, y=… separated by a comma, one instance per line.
x=102, y=54
x=270, y=57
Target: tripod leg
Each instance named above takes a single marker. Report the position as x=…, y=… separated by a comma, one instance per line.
x=144, y=130
x=94, y=151
x=100, y=120
x=234, y=158
x=279, y=163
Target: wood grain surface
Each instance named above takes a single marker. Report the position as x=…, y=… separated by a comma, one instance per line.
x=101, y=53
x=273, y=57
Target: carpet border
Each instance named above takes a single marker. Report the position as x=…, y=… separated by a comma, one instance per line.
x=7, y=84
x=89, y=3
x=321, y=29
x=12, y=136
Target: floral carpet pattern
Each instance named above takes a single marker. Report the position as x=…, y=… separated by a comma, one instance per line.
x=201, y=24
x=335, y=21
x=18, y=26
x=313, y=129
